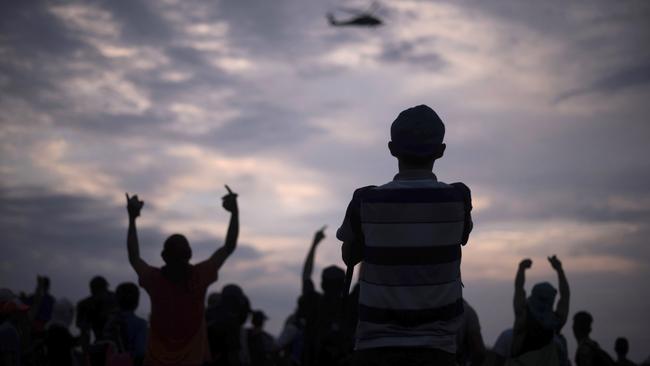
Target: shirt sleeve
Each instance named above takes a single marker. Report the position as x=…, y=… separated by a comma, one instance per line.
x=207, y=272
x=467, y=200
x=350, y=230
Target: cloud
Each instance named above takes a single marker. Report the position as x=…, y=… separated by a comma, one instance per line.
x=616, y=82
x=171, y=99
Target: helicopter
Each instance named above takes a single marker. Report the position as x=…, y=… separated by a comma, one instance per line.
x=359, y=18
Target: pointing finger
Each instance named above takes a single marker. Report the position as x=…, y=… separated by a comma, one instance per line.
x=228, y=188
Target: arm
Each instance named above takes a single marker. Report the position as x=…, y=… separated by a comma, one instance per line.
x=562, y=308
x=520, y=293
x=133, y=206
x=229, y=203
x=351, y=253
x=308, y=267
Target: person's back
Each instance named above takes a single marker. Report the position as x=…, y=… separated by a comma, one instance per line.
x=262, y=346
x=408, y=234
x=470, y=347
x=177, y=320
x=94, y=311
x=588, y=352
x=125, y=329
x=178, y=334
x=621, y=346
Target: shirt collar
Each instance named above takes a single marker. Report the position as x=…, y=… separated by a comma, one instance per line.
x=419, y=174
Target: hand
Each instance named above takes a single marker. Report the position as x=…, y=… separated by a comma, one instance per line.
x=526, y=263
x=230, y=201
x=555, y=263
x=320, y=235
x=133, y=206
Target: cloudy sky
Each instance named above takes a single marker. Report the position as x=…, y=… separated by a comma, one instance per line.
x=546, y=107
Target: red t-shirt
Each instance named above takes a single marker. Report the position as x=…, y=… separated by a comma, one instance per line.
x=177, y=334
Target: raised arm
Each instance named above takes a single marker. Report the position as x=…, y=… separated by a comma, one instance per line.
x=133, y=207
x=229, y=203
x=308, y=267
x=562, y=308
x=520, y=293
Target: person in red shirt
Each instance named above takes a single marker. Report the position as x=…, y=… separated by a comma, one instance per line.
x=177, y=334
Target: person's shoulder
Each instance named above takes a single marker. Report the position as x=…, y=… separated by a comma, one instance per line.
x=85, y=302
x=359, y=192
x=139, y=322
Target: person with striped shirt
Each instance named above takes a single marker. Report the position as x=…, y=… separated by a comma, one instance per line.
x=407, y=234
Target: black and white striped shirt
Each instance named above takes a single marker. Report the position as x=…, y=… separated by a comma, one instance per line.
x=411, y=230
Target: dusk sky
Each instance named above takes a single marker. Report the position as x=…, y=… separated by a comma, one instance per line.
x=546, y=106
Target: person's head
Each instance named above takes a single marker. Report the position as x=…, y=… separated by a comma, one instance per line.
x=621, y=347
x=176, y=251
x=214, y=299
x=332, y=280
x=540, y=305
x=235, y=301
x=44, y=283
x=258, y=319
x=582, y=324
x=62, y=313
x=128, y=296
x=98, y=286
x=416, y=138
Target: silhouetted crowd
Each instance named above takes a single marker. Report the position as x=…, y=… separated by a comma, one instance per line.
x=36, y=328
x=406, y=309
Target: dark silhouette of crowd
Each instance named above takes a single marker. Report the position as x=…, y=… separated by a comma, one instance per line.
x=407, y=307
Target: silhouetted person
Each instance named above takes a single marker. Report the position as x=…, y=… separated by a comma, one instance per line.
x=45, y=305
x=261, y=345
x=177, y=333
x=621, y=346
x=469, y=341
x=502, y=348
x=226, y=318
x=12, y=346
x=291, y=339
x=536, y=322
x=325, y=338
x=408, y=235
x=59, y=342
x=589, y=352
x=93, y=312
x=127, y=330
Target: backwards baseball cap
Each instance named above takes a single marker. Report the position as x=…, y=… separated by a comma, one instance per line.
x=417, y=132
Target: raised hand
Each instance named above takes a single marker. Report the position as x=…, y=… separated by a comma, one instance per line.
x=526, y=263
x=229, y=201
x=133, y=206
x=555, y=263
x=320, y=235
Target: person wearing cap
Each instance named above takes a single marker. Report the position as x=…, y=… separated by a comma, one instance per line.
x=537, y=327
x=177, y=334
x=407, y=234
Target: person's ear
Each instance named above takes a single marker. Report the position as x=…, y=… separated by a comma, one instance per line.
x=440, y=151
x=391, y=148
